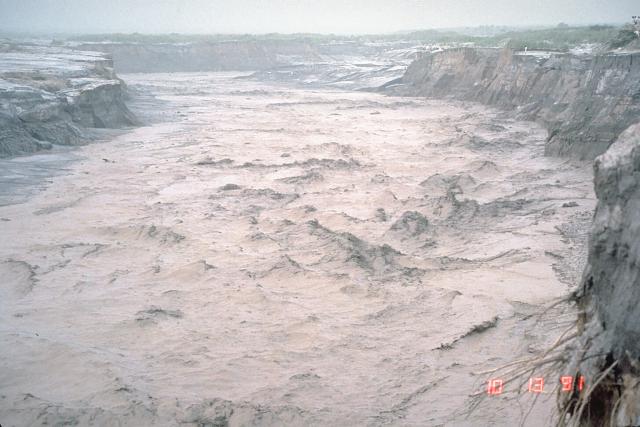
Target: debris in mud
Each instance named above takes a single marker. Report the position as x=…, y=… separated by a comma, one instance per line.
x=494, y=127
x=381, y=215
x=305, y=376
x=380, y=178
x=269, y=194
x=285, y=263
x=497, y=145
x=411, y=224
x=19, y=277
x=553, y=254
x=484, y=168
x=441, y=183
x=229, y=187
x=478, y=329
x=154, y=313
x=210, y=162
x=309, y=163
x=224, y=413
x=206, y=265
x=311, y=176
x=570, y=205
x=377, y=260
x=475, y=329
x=164, y=234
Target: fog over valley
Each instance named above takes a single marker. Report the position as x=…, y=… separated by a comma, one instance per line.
x=298, y=16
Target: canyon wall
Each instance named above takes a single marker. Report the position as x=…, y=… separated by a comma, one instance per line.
x=584, y=101
x=202, y=56
x=51, y=95
x=608, y=347
x=613, y=273
x=246, y=55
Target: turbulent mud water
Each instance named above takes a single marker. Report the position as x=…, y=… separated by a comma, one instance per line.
x=270, y=255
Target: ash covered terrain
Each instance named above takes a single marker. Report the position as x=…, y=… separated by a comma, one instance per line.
x=316, y=237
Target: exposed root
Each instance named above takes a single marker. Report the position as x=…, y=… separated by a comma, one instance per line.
x=611, y=400
x=547, y=363
x=585, y=398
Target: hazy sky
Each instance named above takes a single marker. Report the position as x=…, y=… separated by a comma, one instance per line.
x=287, y=16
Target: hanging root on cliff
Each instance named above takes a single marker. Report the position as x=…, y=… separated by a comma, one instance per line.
x=611, y=389
x=610, y=400
x=573, y=412
x=568, y=299
x=516, y=375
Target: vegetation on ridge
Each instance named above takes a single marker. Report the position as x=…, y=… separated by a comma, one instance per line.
x=560, y=38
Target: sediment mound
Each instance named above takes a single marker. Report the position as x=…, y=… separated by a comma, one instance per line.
x=411, y=224
x=285, y=265
x=309, y=177
x=484, y=168
x=442, y=183
x=379, y=260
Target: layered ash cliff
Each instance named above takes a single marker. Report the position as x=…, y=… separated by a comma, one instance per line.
x=584, y=101
x=346, y=64
x=608, y=350
x=229, y=55
x=52, y=95
x=185, y=57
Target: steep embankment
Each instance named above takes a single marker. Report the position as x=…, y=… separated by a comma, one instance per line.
x=609, y=344
x=338, y=63
x=202, y=56
x=584, y=101
x=49, y=95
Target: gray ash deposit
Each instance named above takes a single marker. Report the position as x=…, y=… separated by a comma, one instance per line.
x=54, y=96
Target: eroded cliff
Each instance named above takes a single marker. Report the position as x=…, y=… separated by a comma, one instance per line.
x=584, y=101
x=608, y=350
x=51, y=95
x=201, y=56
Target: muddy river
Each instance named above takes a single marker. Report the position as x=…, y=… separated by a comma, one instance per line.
x=264, y=254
